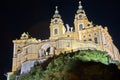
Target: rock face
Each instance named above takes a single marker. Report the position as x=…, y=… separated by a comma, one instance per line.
x=89, y=71
x=26, y=66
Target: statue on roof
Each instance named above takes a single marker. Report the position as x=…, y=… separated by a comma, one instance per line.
x=24, y=36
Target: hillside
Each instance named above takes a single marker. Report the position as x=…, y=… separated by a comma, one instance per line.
x=80, y=65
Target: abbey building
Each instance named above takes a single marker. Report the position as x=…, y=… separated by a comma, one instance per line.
x=63, y=38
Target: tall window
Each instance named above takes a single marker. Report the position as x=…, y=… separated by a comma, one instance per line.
x=95, y=40
x=80, y=27
x=55, y=31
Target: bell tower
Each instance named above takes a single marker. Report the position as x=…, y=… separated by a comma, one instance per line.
x=81, y=20
x=57, y=28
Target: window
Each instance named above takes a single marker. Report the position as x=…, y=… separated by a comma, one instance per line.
x=68, y=35
x=80, y=27
x=88, y=25
x=95, y=33
x=95, y=40
x=89, y=35
x=84, y=36
x=55, y=31
x=19, y=51
x=90, y=39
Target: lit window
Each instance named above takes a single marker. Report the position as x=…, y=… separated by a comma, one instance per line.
x=95, y=40
x=55, y=31
x=80, y=27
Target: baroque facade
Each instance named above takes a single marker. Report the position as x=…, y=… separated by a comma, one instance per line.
x=63, y=38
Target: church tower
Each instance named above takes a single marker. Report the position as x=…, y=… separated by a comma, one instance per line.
x=81, y=21
x=57, y=28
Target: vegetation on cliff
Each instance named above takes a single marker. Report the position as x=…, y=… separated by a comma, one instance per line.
x=80, y=65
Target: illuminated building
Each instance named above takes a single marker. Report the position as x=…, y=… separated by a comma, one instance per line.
x=63, y=38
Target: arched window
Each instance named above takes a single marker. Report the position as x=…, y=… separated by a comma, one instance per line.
x=95, y=40
x=55, y=31
x=80, y=26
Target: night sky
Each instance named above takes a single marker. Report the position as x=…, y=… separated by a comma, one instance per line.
x=33, y=16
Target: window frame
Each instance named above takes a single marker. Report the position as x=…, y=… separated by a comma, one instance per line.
x=96, y=40
x=56, y=32
x=79, y=26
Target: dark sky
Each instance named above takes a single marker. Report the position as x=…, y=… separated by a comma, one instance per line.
x=33, y=16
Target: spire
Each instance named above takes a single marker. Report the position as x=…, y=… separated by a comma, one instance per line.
x=80, y=8
x=56, y=15
x=56, y=11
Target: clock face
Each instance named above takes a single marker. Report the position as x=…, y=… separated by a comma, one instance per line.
x=56, y=21
x=80, y=16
